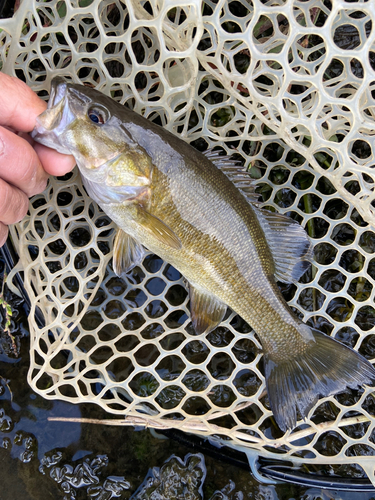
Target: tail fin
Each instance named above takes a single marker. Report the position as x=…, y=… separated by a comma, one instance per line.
x=325, y=368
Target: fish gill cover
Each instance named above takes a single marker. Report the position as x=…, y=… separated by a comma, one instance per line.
x=285, y=87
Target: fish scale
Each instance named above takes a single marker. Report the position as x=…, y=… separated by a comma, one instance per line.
x=180, y=205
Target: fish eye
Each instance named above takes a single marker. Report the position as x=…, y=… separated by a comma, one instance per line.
x=98, y=114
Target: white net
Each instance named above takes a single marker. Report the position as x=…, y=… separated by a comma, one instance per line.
x=286, y=88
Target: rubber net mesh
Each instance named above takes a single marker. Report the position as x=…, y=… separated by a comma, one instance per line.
x=286, y=87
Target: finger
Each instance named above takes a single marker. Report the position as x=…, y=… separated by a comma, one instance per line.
x=13, y=203
x=53, y=162
x=19, y=108
x=20, y=165
x=19, y=104
x=3, y=233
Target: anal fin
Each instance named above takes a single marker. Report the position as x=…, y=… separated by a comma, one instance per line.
x=127, y=253
x=207, y=312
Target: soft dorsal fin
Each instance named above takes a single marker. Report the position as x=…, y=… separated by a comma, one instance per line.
x=207, y=312
x=127, y=253
x=235, y=173
x=290, y=246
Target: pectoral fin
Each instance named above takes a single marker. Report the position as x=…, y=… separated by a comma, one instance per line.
x=127, y=253
x=157, y=229
x=207, y=312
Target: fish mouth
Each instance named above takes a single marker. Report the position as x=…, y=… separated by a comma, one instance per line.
x=49, y=119
x=53, y=121
x=58, y=91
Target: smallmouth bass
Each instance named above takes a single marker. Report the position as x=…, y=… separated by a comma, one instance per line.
x=199, y=213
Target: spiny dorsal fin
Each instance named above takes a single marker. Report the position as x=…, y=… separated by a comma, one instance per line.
x=290, y=246
x=235, y=173
x=207, y=312
x=127, y=253
x=220, y=160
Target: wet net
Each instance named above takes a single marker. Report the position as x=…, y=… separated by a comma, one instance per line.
x=286, y=88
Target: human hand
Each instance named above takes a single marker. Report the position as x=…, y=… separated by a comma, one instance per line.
x=24, y=164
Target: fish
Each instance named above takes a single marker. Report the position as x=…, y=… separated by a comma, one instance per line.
x=200, y=213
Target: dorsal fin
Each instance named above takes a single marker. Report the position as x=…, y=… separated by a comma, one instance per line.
x=218, y=159
x=235, y=173
x=288, y=241
x=290, y=246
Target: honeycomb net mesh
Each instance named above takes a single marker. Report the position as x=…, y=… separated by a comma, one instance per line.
x=286, y=88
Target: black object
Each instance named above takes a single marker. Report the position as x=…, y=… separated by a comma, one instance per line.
x=6, y=8
x=277, y=470
x=290, y=474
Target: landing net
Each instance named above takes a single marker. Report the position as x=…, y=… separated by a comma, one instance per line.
x=286, y=87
